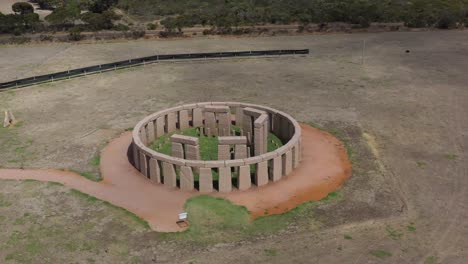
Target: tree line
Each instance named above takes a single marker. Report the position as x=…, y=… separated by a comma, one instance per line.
x=177, y=14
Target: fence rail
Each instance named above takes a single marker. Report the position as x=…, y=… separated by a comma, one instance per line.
x=141, y=61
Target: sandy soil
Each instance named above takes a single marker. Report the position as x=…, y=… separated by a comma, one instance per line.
x=323, y=169
x=404, y=114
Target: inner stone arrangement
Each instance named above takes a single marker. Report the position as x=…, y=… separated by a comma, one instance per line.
x=216, y=146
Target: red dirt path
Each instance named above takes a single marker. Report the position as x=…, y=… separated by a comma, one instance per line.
x=324, y=167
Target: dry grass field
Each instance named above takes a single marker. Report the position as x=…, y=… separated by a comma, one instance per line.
x=402, y=114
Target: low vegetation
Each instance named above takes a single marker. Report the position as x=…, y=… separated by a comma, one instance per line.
x=233, y=223
x=226, y=16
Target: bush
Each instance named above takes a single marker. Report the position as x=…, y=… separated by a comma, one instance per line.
x=169, y=34
x=75, y=35
x=447, y=21
x=46, y=37
x=121, y=27
x=136, y=34
x=22, y=8
x=19, y=40
x=151, y=26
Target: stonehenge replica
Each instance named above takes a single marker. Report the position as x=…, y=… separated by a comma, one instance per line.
x=243, y=160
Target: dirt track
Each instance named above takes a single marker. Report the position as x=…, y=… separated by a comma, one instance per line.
x=412, y=107
x=323, y=169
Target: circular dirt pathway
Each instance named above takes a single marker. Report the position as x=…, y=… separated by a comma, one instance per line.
x=324, y=167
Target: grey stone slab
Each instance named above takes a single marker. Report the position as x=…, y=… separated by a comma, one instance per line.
x=143, y=164
x=197, y=117
x=171, y=122
x=224, y=152
x=186, y=178
x=150, y=132
x=244, y=182
x=225, y=181
x=206, y=180
x=136, y=156
x=159, y=126
x=154, y=171
x=169, y=174
x=287, y=163
x=232, y=140
x=277, y=169
x=183, y=119
x=177, y=150
x=253, y=112
x=217, y=109
x=240, y=151
x=184, y=139
x=262, y=173
x=192, y=152
x=239, y=116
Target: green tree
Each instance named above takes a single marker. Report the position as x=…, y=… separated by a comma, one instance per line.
x=67, y=14
x=22, y=8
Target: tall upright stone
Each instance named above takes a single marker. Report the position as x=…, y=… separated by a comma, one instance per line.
x=192, y=152
x=186, y=178
x=261, y=176
x=154, y=171
x=150, y=132
x=171, y=122
x=225, y=181
x=143, y=164
x=210, y=124
x=240, y=151
x=197, y=117
x=206, y=180
x=177, y=150
x=277, y=169
x=183, y=119
x=244, y=182
x=159, y=127
x=224, y=152
x=169, y=174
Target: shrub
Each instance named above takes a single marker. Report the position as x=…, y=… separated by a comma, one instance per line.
x=22, y=8
x=151, y=26
x=447, y=21
x=46, y=37
x=121, y=27
x=75, y=34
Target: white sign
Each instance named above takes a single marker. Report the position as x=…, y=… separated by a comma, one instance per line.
x=183, y=216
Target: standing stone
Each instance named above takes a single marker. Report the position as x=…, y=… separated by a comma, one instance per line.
x=197, y=117
x=240, y=151
x=247, y=127
x=6, y=120
x=192, y=152
x=210, y=123
x=171, y=122
x=224, y=152
x=186, y=178
x=258, y=141
x=143, y=137
x=277, y=169
x=150, y=132
x=183, y=119
x=225, y=182
x=262, y=173
x=154, y=171
x=239, y=116
x=177, y=150
x=206, y=180
x=143, y=164
x=224, y=125
x=296, y=154
x=136, y=156
x=287, y=163
x=159, y=128
x=169, y=175
x=244, y=182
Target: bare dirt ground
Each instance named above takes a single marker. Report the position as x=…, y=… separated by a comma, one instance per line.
x=404, y=115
